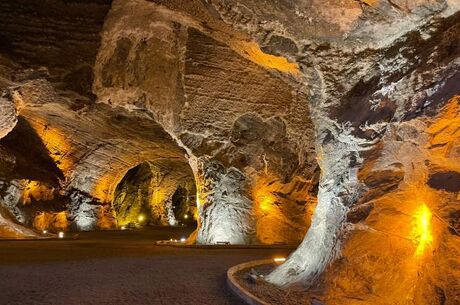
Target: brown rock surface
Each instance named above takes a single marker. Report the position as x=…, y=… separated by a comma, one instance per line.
x=347, y=110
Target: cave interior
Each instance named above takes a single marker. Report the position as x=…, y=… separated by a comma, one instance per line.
x=329, y=126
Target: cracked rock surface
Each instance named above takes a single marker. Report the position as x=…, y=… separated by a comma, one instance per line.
x=331, y=122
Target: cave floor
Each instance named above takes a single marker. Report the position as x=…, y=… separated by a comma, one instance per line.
x=118, y=267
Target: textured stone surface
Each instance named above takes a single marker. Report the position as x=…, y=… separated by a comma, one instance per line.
x=224, y=109
x=61, y=35
x=8, y=117
x=346, y=110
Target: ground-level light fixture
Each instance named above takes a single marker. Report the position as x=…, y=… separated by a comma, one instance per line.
x=279, y=260
x=45, y=232
x=61, y=234
x=183, y=239
x=123, y=227
x=140, y=218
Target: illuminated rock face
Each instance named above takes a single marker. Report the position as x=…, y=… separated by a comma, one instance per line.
x=405, y=244
x=171, y=81
x=228, y=214
x=87, y=159
x=252, y=99
x=211, y=91
x=356, y=104
x=146, y=194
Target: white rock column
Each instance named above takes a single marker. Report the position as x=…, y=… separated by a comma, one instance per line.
x=225, y=213
x=338, y=150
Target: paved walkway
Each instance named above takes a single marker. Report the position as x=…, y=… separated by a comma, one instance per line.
x=109, y=268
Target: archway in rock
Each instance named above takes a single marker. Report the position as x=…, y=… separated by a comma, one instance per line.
x=159, y=193
x=184, y=204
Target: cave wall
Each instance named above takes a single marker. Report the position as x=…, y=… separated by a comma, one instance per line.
x=79, y=149
x=270, y=104
x=154, y=86
x=385, y=239
x=62, y=36
x=374, y=104
x=9, y=226
x=263, y=130
x=93, y=156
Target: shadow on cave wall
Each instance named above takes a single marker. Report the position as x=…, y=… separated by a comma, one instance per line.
x=29, y=177
x=32, y=159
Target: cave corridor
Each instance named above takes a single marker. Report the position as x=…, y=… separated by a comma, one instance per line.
x=230, y=152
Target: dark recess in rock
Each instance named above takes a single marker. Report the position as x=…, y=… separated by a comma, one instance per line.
x=279, y=45
x=447, y=181
x=359, y=213
x=32, y=158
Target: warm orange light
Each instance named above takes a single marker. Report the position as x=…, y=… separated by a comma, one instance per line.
x=38, y=191
x=103, y=189
x=255, y=54
x=279, y=259
x=56, y=143
x=141, y=218
x=422, y=229
x=46, y=220
x=264, y=199
x=265, y=203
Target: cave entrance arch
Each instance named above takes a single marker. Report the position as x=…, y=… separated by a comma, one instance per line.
x=156, y=193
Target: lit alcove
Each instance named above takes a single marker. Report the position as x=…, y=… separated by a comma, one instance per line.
x=156, y=193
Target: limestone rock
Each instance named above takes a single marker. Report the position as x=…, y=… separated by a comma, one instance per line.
x=340, y=117
x=8, y=116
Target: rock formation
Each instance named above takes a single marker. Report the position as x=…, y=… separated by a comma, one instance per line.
x=336, y=117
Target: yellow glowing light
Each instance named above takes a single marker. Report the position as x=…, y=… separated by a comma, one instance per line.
x=252, y=51
x=265, y=203
x=61, y=235
x=422, y=230
x=263, y=196
x=185, y=216
x=56, y=143
x=140, y=218
x=60, y=221
x=104, y=187
x=37, y=191
x=279, y=259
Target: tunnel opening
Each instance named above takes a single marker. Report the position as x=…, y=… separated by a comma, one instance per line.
x=184, y=204
x=156, y=193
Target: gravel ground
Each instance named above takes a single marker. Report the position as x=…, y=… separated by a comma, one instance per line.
x=123, y=267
